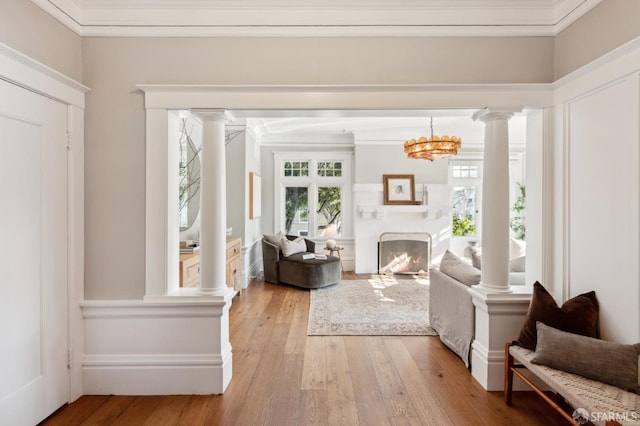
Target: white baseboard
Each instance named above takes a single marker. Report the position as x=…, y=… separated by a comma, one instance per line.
x=156, y=374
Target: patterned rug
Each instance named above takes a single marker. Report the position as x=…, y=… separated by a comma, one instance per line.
x=380, y=306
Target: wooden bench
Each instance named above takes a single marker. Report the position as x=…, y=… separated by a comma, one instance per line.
x=606, y=405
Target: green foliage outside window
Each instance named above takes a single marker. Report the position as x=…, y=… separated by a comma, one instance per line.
x=517, y=222
x=295, y=200
x=463, y=226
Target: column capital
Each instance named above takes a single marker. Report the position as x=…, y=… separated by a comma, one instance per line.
x=490, y=114
x=219, y=115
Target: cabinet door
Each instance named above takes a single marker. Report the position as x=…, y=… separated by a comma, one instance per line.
x=233, y=273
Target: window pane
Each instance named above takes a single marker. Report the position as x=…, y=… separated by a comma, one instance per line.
x=464, y=211
x=329, y=211
x=296, y=205
x=330, y=168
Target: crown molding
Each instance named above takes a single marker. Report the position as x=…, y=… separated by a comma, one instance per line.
x=355, y=18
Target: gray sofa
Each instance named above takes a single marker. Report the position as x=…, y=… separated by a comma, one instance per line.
x=296, y=271
x=451, y=311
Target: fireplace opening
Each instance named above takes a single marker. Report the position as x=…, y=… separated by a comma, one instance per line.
x=404, y=253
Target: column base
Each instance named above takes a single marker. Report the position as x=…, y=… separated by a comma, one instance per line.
x=499, y=318
x=490, y=288
x=225, y=292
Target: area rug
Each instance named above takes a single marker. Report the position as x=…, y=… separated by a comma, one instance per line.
x=381, y=306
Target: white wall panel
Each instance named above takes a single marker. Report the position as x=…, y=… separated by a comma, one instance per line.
x=602, y=220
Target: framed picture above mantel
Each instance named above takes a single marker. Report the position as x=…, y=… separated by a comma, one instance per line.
x=399, y=190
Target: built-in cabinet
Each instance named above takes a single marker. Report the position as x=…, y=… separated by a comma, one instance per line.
x=189, y=269
x=190, y=266
x=234, y=262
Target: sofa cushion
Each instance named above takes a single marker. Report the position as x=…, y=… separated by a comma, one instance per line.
x=457, y=268
x=608, y=362
x=298, y=245
x=578, y=315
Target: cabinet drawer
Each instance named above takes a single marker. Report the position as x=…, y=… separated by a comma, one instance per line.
x=233, y=251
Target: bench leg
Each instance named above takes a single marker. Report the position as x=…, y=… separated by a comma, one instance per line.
x=508, y=374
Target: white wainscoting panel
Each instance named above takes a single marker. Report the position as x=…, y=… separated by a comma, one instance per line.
x=156, y=348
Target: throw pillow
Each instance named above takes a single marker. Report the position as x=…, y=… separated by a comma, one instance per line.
x=476, y=259
x=457, y=268
x=274, y=239
x=578, y=315
x=517, y=248
x=292, y=247
x=607, y=362
x=515, y=265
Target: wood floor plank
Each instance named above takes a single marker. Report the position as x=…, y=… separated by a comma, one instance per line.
x=368, y=396
x=420, y=392
x=297, y=338
x=314, y=369
x=394, y=391
x=340, y=396
x=108, y=413
x=196, y=411
x=287, y=398
x=77, y=412
x=314, y=408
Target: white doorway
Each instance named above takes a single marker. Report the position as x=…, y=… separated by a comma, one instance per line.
x=33, y=255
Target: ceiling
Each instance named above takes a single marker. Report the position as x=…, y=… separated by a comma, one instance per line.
x=324, y=18
x=387, y=127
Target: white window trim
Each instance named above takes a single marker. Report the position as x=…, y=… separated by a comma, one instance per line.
x=345, y=183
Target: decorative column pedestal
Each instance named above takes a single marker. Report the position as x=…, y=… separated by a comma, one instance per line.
x=499, y=318
x=500, y=308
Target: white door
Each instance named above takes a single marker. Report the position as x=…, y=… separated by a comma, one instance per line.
x=33, y=256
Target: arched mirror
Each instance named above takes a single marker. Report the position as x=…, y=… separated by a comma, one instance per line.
x=189, y=178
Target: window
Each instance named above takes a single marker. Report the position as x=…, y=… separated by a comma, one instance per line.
x=465, y=171
x=330, y=168
x=296, y=168
x=466, y=182
x=314, y=192
x=464, y=211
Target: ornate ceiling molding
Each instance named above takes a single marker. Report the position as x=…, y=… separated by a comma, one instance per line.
x=316, y=18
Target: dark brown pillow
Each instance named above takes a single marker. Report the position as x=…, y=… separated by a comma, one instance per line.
x=578, y=315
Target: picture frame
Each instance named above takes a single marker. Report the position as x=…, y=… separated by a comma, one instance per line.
x=255, y=198
x=399, y=189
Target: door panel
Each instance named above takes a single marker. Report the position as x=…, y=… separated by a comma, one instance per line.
x=33, y=256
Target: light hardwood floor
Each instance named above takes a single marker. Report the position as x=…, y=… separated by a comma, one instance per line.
x=283, y=377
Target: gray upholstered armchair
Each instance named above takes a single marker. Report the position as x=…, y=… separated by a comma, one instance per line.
x=294, y=270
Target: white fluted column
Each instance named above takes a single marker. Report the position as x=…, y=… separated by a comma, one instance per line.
x=495, y=200
x=213, y=204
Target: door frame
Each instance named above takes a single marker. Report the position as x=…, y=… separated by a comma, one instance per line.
x=25, y=72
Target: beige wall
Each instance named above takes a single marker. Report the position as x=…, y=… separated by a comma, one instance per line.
x=607, y=26
x=30, y=30
x=115, y=118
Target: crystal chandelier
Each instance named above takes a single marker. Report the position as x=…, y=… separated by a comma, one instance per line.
x=432, y=148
